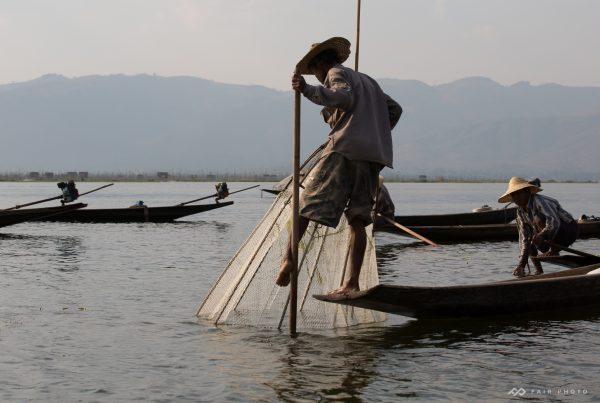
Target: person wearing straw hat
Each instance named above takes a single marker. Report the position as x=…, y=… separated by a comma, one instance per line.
x=539, y=219
x=344, y=181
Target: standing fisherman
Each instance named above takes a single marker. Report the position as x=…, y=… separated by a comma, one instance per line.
x=345, y=179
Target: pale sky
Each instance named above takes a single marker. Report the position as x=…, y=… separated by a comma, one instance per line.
x=260, y=41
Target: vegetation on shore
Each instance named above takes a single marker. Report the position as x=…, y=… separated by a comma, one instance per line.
x=230, y=177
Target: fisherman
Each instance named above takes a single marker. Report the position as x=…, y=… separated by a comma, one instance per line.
x=222, y=191
x=138, y=204
x=345, y=178
x=69, y=191
x=384, y=205
x=539, y=219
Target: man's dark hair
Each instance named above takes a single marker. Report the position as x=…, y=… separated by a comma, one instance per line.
x=328, y=56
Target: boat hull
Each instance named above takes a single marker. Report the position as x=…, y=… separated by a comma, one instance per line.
x=471, y=233
x=11, y=217
x=499, y=216
x=135, y=214
x=573, y=288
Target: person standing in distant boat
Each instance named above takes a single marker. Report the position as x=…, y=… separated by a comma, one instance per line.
x=539, y=219
x=344, y=181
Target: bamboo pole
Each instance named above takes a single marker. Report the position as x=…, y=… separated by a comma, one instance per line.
x=295, y=216
x=18, y=206
x=215, y=195
x=403, y=228
x=357, y=35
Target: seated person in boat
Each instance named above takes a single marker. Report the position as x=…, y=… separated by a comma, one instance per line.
x=344, y=181
x=69, y=191
x=384, y=205
x=222, y=191
x=138, y=204
x=539, y=219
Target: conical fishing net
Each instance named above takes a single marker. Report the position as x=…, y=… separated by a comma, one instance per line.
x=246, y=293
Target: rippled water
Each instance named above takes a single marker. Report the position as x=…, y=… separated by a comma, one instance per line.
x=105, y=312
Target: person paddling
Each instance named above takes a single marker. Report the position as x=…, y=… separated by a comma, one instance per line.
x=539, y=219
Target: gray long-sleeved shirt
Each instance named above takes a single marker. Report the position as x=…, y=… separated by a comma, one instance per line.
x=360, y=115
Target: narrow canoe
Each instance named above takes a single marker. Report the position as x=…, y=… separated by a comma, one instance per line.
x=567, y=289
x=498, y=216
x=135, y=214
x=473, y=233
x=570, y=260
x=11, y=217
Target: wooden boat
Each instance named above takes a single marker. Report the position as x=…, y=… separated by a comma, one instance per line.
x=472, y=233
x=11, y=217
x=566, y=289
x=569, y=260
x=498, y=216
x=135, y=214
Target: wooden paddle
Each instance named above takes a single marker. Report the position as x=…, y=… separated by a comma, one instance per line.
x=215, y=195
x=18, y=206
x=101, y=187
x=403, y=228
x=573, y=251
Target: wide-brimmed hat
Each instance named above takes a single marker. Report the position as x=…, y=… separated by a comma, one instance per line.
x=340, y=45
x=515, y=184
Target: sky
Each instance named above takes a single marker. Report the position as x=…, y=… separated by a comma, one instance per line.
x=258, y=42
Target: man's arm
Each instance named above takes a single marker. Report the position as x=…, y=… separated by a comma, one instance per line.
x=394, y=110
x=337, y=92
x=525, y=235
x=550, y=212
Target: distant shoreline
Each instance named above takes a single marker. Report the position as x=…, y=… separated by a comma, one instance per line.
x=242, y=178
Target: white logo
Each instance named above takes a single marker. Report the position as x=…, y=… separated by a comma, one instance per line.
x=517, y=392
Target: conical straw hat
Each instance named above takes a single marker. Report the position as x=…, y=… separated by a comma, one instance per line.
x=516, y=183
x=337, y=43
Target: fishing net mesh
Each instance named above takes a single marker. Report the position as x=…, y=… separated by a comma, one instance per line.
x=246, y=293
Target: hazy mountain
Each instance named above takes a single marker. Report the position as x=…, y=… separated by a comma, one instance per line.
x=472, y=127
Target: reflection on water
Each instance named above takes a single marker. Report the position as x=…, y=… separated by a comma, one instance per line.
x=421, y=359
x=105, y=312
x=70, y=252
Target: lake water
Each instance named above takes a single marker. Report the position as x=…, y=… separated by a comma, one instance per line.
x=106, y=312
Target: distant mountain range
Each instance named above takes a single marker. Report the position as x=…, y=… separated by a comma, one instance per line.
x=471, y=128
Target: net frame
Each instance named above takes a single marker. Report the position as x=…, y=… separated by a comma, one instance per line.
x=245, y=293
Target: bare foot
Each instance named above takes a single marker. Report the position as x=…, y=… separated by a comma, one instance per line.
x=344, y=290
x=550, y=253
x=284, y=275
x=519, y=272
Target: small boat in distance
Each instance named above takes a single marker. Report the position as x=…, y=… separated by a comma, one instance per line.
x=16, y=216
x=477, y=233
x=481, y=216
x=566, y=289
x=134, y=213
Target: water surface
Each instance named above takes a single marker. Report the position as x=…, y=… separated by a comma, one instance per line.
x=105, y=312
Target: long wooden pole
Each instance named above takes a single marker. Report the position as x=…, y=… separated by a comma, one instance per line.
x=216, y=194
x=94, y=190
x=403, y=228
x=18, y=206
x=357, y=35
x=295, y=217
x=574, y=251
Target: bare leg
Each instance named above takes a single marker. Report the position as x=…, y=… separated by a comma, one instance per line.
x=358, y=245
x=533, y=253
x=287, y=264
